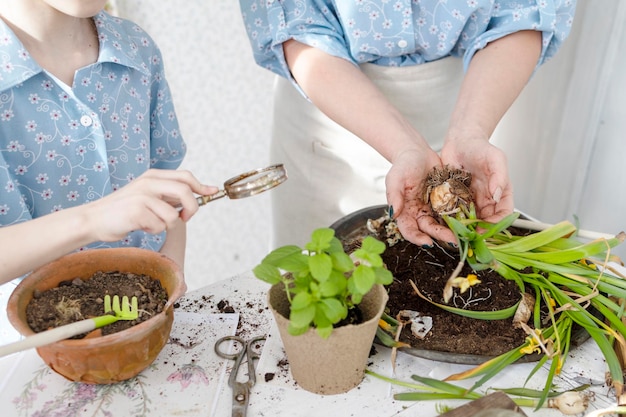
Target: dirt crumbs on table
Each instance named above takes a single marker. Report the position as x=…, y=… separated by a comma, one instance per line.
x=79, y=299
x=253, y=315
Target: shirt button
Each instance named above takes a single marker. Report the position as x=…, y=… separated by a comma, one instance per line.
x=85, y=121
x=402, y=43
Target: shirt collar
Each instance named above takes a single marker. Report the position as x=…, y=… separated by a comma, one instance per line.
x=118, y=44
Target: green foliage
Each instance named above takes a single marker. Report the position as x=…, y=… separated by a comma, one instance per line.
x=322, y=280
x=564, y=275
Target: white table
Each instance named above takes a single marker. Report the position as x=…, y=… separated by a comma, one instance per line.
x=188, y=379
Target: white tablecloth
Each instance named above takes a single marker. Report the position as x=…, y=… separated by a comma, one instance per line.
x=188, y=379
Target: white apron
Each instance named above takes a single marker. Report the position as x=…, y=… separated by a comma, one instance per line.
x=331, y=171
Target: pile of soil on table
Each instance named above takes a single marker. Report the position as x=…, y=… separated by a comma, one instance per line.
x=429, y=269
x=79, y=299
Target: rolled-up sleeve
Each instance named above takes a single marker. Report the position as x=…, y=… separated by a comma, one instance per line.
x=552, y=18
x=270, y=23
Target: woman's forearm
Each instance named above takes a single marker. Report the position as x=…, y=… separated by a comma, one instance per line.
x=342, y=92
x=495, y=77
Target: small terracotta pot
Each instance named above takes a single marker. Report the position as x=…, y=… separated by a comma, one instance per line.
x=334, y=365
x=115, y=357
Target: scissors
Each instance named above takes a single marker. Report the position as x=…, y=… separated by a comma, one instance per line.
x=241, y=390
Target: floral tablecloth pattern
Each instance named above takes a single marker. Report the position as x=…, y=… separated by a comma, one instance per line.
x=185, y=379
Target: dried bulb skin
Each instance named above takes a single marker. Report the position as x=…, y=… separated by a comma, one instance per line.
x=446, y=189
x=524, y=310
x=570, y=402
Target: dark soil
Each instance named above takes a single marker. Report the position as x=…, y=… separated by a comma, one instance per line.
x=430, y=269
x=81, y=299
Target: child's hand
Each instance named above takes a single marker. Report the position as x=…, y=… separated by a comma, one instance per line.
x=153, y=203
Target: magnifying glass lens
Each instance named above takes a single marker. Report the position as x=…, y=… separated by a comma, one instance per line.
x=255, y=182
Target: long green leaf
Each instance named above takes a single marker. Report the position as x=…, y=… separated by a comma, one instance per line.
x=535, y=240
x=568, y=255
x=480, y=315
x=429, y=396
x=493, y=229
x=439, y=385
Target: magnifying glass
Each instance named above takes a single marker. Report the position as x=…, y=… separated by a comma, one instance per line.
x=249, y=184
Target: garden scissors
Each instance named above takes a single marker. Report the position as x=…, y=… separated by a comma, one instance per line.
x=241, y=390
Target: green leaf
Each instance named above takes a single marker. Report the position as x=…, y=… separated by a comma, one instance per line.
x=533, y=393
x=570, y=255
x=342, y=261
x=325, y=331
x=303, y=317
x=335, y=246
x=502, y=225
x=355, y=297
x=383, y=276
x=277, y=255
x=427, y=396
x=333, y=286
x=267, y=273
x=320, y=319
x=320, y=240
x=363, y=278
x=333, y=309
x=295, y=331
x=459, y=229
x=295, y=263
x=368, y=258
x=372, y=245
x=320, y=265
x=386, y=339
x=439, y=385
x=481, y=315
x=301, y=301
x=481, y=252
x=535, y=240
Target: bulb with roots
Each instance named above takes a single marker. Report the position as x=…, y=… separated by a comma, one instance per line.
x=447, y=189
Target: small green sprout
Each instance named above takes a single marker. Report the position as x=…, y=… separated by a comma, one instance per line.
x=322, y=281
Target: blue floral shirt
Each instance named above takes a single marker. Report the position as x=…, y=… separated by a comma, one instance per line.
x=398, y=32
x=63, y=146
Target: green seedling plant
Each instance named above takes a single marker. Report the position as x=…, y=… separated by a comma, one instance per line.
x=323, y=282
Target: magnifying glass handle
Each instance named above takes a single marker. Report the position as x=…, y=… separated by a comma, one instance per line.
x=203, y=199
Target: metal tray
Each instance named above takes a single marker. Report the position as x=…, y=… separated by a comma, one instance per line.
x=353, y=228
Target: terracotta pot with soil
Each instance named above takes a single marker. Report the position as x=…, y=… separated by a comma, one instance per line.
x=105, y=355
x=334, y=365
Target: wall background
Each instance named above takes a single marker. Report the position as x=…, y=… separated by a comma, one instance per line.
x=564, y=136
x=223, y=102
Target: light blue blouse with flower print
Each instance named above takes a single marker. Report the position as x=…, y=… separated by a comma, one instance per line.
x=398, y=32
x=63, y=146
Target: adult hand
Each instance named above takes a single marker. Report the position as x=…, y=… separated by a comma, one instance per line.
x=404, y=184
x=152, y=202
x=491, y=186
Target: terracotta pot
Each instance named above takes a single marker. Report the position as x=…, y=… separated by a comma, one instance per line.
x=115, y=357
x=334, y=365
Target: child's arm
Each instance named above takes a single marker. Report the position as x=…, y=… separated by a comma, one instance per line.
x=148, y=203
